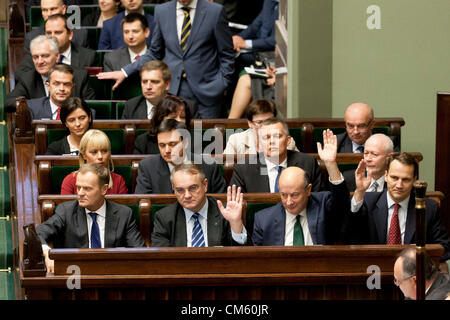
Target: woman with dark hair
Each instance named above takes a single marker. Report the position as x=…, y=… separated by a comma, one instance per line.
x=170, y=107
x=106, y=10
x=77, y=118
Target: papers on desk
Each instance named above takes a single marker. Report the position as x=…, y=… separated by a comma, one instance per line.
x=262, y=72
x=237, y=25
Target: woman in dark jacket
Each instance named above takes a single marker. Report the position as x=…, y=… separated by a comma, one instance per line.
x=77, y=118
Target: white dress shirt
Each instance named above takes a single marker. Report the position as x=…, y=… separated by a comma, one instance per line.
x=355, y=146
x=402, y=213
x=134, y=55
x=290, y=223
x=180, y=16
x=67, y=55
x=54, y=109
x=150, y=109
x=240, y=238
x=380, y=182
x=272, y=172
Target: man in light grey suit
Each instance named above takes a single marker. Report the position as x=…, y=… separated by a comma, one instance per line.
x=196, y=220
x=201, y=61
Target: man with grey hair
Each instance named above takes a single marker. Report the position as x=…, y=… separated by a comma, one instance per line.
x=260, y=172
x=377, y=150
x=437, y=285
x=32, y=84
x=196, y=220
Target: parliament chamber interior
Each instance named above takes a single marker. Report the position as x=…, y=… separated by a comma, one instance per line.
x=335, y=54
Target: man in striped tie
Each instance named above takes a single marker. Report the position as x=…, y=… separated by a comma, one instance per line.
x=388, y=217
x=196, y=220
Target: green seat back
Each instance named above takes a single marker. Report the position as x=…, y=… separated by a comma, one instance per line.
x=120, y=106
x=140, y=131
x=102, y=88
x=129, y=89
x=116, y=137
x=156, y=208
x=347, y=166
x=296, y=134
x=58, y=173
x=135, y=212
x=150, y=9
x=252, y=208
x=103, y=109
x=36, y=17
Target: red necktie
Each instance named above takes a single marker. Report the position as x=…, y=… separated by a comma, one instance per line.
x=137, y=58
x=57, y=115
x=394, y=236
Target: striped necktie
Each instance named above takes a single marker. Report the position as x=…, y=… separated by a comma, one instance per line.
x=95, y=232
x=186, y=28
x=197, y=234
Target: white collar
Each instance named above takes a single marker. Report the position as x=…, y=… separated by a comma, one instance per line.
x=53, y=106
x=192, y=5
x=403, y=204
x=100, y=211
x=68, y=53
x=202, y=212
x=270, y=165
x=133, y=55
x=290, y=216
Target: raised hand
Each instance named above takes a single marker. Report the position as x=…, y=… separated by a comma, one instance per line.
x=362, y=182
x=113, y=75
x=233, y=212
x=329, y=150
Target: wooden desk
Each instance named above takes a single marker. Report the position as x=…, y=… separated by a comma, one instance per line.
x=236, y=273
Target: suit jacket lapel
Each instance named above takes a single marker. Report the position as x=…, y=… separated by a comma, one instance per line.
x=279, y=226
x=261, y=176
x=39, y=86
x=47, y=109
x=141, y=108
x=410, y=226
x=180, y=234
x=381, y=216
x=111, y=221
x=312, y=216
x=163, y=173
x=81, y=226
x=172, y=27
x=74, y=56
x=200, y=13
x=213, y=225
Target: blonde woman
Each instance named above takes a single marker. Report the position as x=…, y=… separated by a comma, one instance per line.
x=95, y=147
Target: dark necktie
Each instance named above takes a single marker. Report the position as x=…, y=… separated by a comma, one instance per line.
x=61, y=57
x=186, y=28
x=394, y=235
x=95, y=232
x=360, y=149
x=280, y=168
x=197, y=234
x=298, y=233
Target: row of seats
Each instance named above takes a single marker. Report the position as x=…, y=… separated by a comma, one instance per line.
x=7, y=291
x=52, y=170
x=36, y=19
x=144, y=207
x=122, y=133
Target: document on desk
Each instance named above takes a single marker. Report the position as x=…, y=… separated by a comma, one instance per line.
x=262, y=72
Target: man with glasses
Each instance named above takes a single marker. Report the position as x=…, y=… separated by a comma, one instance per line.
x=246, y=142
x=437, y=285
x=154, y=171
x=304, y=217
x=196, y=220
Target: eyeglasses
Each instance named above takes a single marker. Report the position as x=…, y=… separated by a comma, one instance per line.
x=398, y=282
x=361, y=126
x=192, y=189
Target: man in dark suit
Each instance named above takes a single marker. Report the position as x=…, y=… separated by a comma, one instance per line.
x=154, y=171
x=200, y=56
x=135, y=30
x=388, y=216
x=304, y=217
x=91, y=221
x=48, y=8
x=437, y=285
x=196, y=220
x=155, y=82
x=260, y=34
x=70, y=52
x=260, y=173
x=111, y=36
x=31, y=84
x=377, y=150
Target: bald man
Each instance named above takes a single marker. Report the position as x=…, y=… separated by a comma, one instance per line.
x=358, y=124
x=377, y=150
x=304, y=217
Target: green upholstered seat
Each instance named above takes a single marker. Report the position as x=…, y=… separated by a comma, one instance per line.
x=252, y=208
x=102, y=88
x=103, y=109
x=296, y=134
x=116, y=137
x=120, y=106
